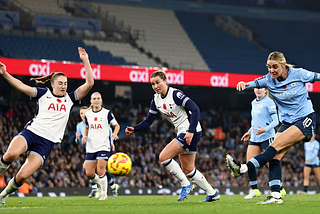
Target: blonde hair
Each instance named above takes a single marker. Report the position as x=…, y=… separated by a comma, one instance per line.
x=159, y=73
x=279, y=57
x=50, y=77
x=83, y=107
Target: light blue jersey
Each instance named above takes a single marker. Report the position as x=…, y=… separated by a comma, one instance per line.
x=261, y=112
x=290, y=95
x=80, y=128
x=312, y=150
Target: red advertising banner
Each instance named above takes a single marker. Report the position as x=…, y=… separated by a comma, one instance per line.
x=131, y=73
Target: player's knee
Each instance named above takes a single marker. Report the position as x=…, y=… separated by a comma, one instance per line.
x=187, y=169
x=10, y=156
x=101, y=171
x=162, y=157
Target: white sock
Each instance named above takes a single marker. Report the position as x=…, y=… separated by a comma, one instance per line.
x=96, y=180
x=94, y=187
x=11, y=187
x=104, y=184
x=113, y=186
x=3, y=167
x=243, y=168
x=176, y=171
x=201, y=181
x=276, y=194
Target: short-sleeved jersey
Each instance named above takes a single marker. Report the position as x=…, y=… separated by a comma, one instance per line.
x=290, y=95
x=80, y=128
x=261, y=112
x=52, y=114
x=172, y=108
x=312, y=151
x=98, y=124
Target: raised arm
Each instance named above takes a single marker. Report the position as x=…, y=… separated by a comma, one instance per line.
x=15, y=83
x=85, y=88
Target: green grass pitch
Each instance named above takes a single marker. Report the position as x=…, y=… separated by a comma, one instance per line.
x=293, y=204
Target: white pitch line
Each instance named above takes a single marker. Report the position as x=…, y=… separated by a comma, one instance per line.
x=19, y=208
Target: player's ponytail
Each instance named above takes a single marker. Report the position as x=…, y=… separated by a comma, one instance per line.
x=90, y=107
x=50, y=77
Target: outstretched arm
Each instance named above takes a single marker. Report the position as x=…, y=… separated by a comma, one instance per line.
x=15, y=83
x=85, y=88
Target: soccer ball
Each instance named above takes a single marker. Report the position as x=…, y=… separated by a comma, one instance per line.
x=119, y=164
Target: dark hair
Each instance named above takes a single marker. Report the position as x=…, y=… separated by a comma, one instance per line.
x=83, y=107
x=50, y=77
x=159, y=73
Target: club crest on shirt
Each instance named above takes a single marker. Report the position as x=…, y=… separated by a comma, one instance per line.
x=293, y=84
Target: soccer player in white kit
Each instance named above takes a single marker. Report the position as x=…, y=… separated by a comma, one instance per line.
x=183, y=113
x=98, y=146
x=47, y=127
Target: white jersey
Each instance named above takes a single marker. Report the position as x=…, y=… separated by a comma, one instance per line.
x=98, y=124
x=172, y=108
x=52, y=114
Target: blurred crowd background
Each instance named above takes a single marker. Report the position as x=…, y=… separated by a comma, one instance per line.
x=222, y=130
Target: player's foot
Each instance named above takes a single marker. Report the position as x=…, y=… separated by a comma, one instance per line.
x=3, y=168
x=115, y=190
x=2, y=200
x=283, y=192
x=92, y=193
x=185, y=191
x=103, y=197
x=301, y=193
x=271, y=200
x=252, y=194
x=211, y=198
x=98, y=193
x=234, y=166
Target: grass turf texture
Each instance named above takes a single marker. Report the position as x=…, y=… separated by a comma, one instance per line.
x=293, y=204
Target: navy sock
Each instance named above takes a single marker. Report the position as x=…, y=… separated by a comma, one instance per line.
x=253, y=178
x=5, y=162
x=261, y=159
x=110, y=179
x=274, y=175
x=305, y=188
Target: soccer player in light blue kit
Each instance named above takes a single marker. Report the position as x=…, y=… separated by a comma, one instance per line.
x=312, y=162
x=298, y=119
x=264, y=119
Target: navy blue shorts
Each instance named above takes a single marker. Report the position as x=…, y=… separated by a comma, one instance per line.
x=36, y=145
x=312, y=165
x=306, y=125
x=192, y=148
x=263, y=145
x=92, y=157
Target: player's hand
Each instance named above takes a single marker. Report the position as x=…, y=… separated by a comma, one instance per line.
x=188, y=137
x=241, y=86
x=114, y=136
x=83, y=54
x=78, y=135
x=3, y=68
x=129, y=130
x=84, y=140
x=259, y=131
x=246, y=136
x=308, y=160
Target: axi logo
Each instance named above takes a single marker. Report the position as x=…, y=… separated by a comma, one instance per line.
x=41, y=69
x=219, y=81
x=139, y=76
x=95, y=70
x=176, y=78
